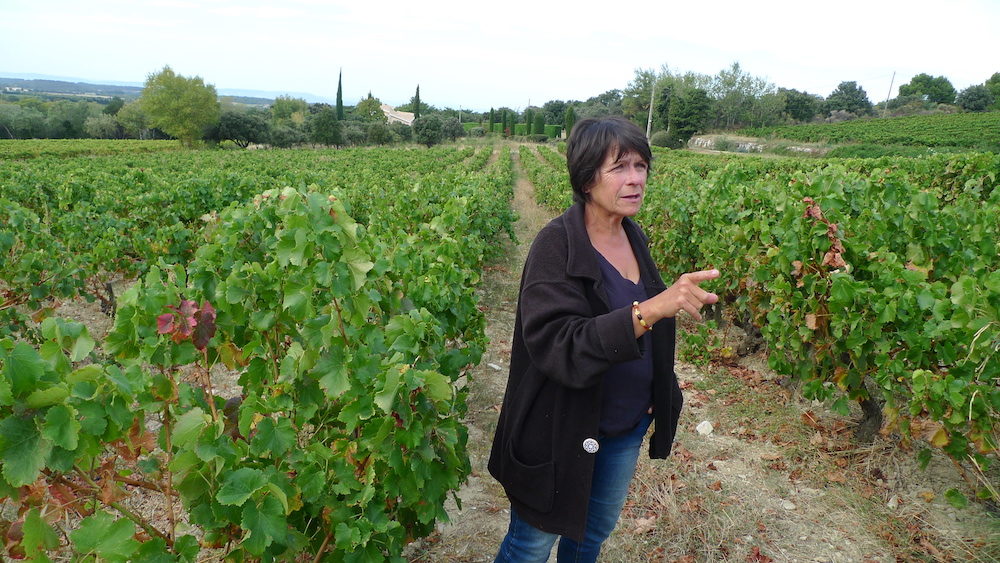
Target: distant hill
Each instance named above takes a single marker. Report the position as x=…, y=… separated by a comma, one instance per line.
x=53, y=86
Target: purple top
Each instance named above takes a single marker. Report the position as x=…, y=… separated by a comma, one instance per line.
x=628, y=386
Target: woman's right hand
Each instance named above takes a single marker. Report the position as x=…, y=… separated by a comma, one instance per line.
x=684, y=295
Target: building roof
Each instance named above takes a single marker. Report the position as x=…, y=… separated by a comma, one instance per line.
x=393, y=116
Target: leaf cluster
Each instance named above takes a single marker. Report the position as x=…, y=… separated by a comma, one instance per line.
x=868, y=279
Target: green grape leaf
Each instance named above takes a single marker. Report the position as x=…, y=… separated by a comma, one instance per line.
x=23, y=451
x=62, y=427
x=23, y=368
x=102, y=535
x=264, y=523
x=273, y=439
x=387, y=396
x=438, y=386
x=41, y=398
x=38, y=536
x=239, y=485
x=188, y=427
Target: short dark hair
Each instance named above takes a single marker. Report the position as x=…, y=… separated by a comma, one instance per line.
x=590, y=143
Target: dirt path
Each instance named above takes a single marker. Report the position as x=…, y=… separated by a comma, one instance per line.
x=776, y=479
x=475, y=531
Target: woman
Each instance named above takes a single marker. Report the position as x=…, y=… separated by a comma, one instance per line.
x=593, y=356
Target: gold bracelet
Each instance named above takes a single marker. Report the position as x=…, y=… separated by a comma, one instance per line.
x=638, y=315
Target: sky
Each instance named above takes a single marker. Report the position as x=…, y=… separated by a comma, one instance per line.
x=478, y=55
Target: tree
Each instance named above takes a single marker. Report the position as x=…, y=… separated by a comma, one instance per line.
x=661, y=109
x=538, y=127
x=64, y=119
x=503, y=124
x=244, y=127
x=635, y=96
x=20, y=122
x=493, y=120
x=427, y=130
x=102, y=126
x=937, y=90
x=608, y=103
x=570, y=120
x=767, y=110
x=848, y=97
x=993, y=85
x=318, y=107
x=114, y=106
x=286, y=110
x=800, y=106
x=378, y=133
x=285, y=136
x=326, y=128
x=401, y=130
x=690, y=110
x=416, y=103
x=180, y=107
x=975, y=98
x=340, y=96
x=735, y=92
x=370, y=109
x=451, y=128
x=134, y=121
x=554, y=111
x=529, y=120
x=354, y=133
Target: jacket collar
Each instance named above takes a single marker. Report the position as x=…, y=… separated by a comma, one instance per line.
x=582, y=259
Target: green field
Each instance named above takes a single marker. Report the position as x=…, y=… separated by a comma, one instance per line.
x=968, y=130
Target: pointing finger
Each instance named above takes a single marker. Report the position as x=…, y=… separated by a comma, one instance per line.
x=703, y=275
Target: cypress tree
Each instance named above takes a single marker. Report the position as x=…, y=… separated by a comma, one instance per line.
x=503, y=124
x=569, y=120
x=539, y=125
x=340, y=96
x=416, y=104
x=529, y=120
x=493, y=120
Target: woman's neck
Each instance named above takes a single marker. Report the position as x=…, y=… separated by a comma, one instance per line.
x=602, y=227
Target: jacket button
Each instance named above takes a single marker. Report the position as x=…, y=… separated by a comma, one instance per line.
x=591, y=446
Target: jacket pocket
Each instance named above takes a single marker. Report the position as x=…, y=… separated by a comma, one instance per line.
x=532, y=485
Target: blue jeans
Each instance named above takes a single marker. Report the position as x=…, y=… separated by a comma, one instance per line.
x=614, y=467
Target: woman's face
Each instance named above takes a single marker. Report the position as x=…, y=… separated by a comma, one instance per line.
x=619, y=185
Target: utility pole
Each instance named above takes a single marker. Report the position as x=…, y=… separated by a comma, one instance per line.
x=885, y=108
x=649, y=120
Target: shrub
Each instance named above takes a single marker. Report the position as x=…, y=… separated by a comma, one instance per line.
x=427, y=130
x=285, y=136
x=452, y=129
x=477, y=132
x=404, y=132
x=378, y=134
x=354, y=134
x=725, y=144
x=660, y=139
x=538, y=138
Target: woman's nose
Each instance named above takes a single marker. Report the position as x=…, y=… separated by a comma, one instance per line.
x=636, y=175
